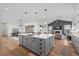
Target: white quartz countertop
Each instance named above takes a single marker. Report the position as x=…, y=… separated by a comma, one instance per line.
x=77, y=35
x=25, y=34
x=43, y=36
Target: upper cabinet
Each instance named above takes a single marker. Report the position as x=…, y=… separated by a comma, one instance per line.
x=76, y=20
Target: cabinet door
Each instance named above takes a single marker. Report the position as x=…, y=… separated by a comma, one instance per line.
x=41, y=46
x=73, y=40
x=41, y=52
x=40, y=43
x=77, y=44
x=47, y=45
x=25, y=41
x=29, y=43
x=34, y=44
x=20, y=39
x=52, y=41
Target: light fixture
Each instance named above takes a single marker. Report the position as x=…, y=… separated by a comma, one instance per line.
x=35, y=10
x=45, y=9
x=45, y=22
x=25, y=11
x=45, y=12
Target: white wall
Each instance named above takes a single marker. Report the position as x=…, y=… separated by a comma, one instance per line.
x=55, y=11
x=3, y=28
x=76, y=18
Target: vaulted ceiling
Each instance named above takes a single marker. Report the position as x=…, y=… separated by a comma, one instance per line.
x=13, y=12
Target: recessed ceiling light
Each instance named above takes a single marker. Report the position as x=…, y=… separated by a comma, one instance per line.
x=6, y=8
x=45, y=22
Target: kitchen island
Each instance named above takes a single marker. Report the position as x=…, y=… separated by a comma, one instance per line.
x=40, y=44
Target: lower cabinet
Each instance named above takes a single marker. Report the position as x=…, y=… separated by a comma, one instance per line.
x=20, y=39
x=38, y=45
x=34, y=44
x=75, y=41
x=25, y=41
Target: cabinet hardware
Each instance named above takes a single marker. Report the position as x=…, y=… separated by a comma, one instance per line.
x=40, y=40
x=40, y=52
x=40, y=43
x=40, y=47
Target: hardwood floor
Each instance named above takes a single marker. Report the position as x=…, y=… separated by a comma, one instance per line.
x=10, y=47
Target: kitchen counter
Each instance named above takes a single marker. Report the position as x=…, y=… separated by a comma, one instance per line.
x=43, y=36
x=40, y=44
x=76, y=34
x=75, y=41
x=25, y=34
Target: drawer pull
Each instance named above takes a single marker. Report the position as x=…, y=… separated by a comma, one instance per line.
x=40, y=47
x=40, y=43
x=40, y=40
x=40, y=52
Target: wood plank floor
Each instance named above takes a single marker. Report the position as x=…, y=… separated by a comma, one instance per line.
x=10, y=47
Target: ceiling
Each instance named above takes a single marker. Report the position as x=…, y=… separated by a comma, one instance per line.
x=13, y=12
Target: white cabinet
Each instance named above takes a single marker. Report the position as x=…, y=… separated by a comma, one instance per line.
x=75, y=41
x=20, y=39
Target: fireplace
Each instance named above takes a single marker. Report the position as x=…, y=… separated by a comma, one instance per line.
x=58, y=34
x=57, y=31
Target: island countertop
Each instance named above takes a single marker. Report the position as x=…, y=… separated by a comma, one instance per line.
x=76, y=34
x=25, y=34
x=43, y=36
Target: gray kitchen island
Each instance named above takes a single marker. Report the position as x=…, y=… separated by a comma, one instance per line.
x=40, y=44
